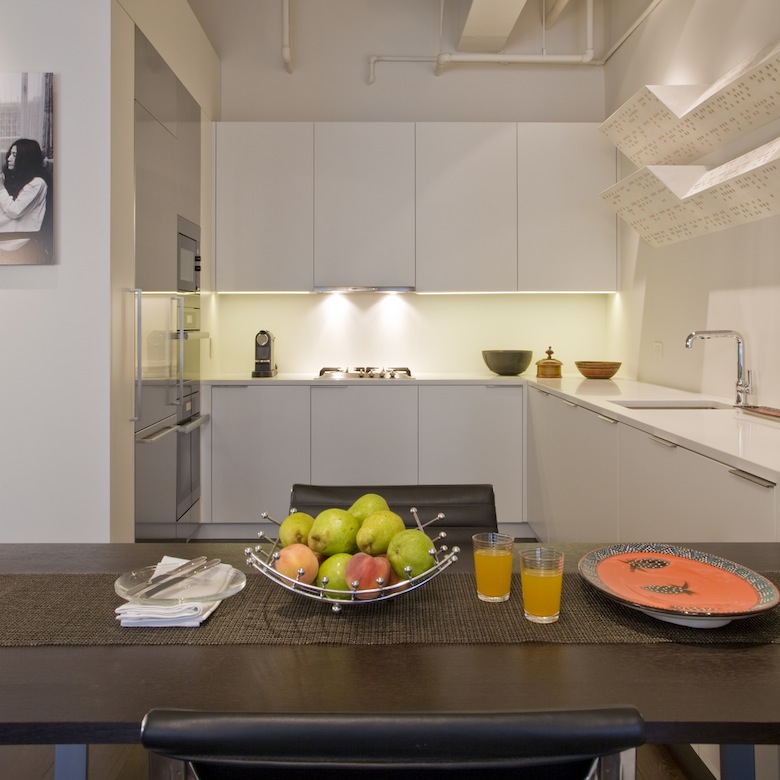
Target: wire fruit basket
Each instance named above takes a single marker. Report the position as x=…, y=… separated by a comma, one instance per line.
x=263, y=558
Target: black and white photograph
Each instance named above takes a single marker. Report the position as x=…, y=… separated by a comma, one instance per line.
x=26, y=178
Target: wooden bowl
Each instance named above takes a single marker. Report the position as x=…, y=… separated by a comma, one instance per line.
x=597, y=369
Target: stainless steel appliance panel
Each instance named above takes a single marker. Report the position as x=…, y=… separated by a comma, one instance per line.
x=155, y=472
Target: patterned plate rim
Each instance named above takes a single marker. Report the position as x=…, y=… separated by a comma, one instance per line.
x=768, y=594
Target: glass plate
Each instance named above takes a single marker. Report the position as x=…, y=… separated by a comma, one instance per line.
x=212, y=585
x=677, y=584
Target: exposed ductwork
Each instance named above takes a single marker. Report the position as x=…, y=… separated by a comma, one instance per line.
x=445, y=59
x=485, y=31
x=489, y=24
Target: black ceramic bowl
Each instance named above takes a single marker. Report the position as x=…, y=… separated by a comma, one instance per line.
x=507, y=362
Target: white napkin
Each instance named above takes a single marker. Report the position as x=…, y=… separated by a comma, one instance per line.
x=187, y=614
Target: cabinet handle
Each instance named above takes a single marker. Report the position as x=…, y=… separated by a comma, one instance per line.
x=329, y=387
x=669, y=444
x=752, y=478
x=606, y=419
x=540, y=391
x=569, y=403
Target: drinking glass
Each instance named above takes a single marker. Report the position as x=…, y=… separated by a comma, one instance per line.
x=493, y=565
x=541, y=578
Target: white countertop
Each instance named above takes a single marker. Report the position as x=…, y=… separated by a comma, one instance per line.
x=728, y=435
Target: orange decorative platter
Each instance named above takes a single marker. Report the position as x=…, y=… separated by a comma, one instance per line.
x=677, y=584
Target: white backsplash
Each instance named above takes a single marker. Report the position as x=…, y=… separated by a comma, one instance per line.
x=431, y=334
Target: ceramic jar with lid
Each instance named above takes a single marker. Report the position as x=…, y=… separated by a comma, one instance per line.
x=549, y=368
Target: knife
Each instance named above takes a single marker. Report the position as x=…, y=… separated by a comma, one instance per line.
x=154, y=589
x=159, y=578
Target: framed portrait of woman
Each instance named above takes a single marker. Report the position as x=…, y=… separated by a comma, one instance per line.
x=26, y=169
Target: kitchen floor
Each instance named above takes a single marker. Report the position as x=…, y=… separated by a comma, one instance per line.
x=130, y=762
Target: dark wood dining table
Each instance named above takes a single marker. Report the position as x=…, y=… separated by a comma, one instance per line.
x=65, y=694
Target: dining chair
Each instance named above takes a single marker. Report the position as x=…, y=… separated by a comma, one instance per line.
x=462, y=505
x=555, y=745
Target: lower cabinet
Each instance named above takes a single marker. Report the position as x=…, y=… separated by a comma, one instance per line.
x=668, y=493
x=264, y=438
x=363, y=435
x=572, y=471
x=593, y=479
x=474, y=434
x=260, y=447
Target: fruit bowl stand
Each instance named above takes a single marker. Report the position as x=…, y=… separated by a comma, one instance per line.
x=264, y=555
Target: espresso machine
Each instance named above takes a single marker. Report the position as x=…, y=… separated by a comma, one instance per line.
x=264, y=355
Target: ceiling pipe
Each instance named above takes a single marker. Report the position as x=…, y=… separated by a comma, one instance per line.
x=286, y=52
x=443, y=59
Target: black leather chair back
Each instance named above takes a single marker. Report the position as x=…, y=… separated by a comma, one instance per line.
x=462, y=505
x=239, y=746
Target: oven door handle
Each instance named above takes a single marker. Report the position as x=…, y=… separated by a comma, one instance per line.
x=159, y=435
x=194, y=423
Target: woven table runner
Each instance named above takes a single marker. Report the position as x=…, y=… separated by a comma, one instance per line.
x=78, y=609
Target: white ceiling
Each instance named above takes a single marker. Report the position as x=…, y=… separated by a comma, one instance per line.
x=236, y=27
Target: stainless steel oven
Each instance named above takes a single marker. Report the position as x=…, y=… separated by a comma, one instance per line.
x=167, y=415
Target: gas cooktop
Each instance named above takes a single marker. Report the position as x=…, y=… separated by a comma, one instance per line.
x=365, y=372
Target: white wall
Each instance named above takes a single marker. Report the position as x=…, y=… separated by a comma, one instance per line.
x=430, y=334
x=62, y=477
x=331, y=45
x=725, y=280
x=55, y=347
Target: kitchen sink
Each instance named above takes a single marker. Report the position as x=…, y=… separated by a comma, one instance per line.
x=672, y=404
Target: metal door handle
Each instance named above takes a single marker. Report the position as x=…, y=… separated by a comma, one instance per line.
x=194, y=424
x=138, y=356
x=752, y=478
x=157, y=436
x=606, y=419
x=669, y=444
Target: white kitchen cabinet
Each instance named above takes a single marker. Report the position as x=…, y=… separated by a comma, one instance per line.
x=264, y=204
x=567, y=233
x=259, y=449
x=572, y=471
x=670, y=494
x=363, y=435
x=364, y=204
x=474, y=434
x=466, y=206
x=187, y=155
x=155, y=204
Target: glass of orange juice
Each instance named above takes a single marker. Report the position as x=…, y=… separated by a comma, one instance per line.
x=493, y=565
x=541, y=578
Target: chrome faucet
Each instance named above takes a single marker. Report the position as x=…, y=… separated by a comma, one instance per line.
x=743, y=385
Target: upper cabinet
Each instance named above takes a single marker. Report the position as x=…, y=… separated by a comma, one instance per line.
x=187, y=156
x=167, y=167
x=436, y=207
x=567, y=233
x=364, y=205
x=264, y=206
x=466, y=206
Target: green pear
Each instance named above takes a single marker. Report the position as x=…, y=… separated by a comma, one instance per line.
x=366, y=505
x=295, y=529
x=334, y=531
x=333, y=570
x=410, y=548
x=377, y=530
